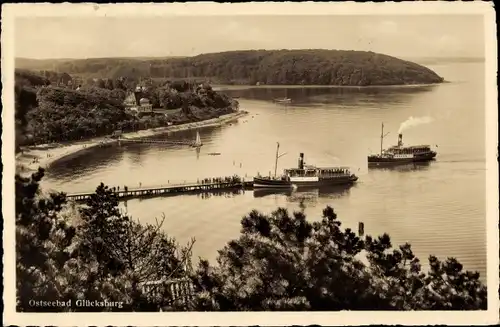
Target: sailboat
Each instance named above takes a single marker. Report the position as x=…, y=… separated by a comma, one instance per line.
x=197, y=143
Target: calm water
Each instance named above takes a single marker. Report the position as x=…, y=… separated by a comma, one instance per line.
x=439, y=208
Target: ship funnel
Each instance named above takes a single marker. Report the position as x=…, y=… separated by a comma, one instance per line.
x=400, y=139
x=301, y=161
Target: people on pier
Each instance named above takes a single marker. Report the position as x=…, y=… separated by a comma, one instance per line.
x=235, y=179
x=229, y=181
x=215, y=180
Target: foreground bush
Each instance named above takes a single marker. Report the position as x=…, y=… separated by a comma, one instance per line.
x=284, y=262
x=279, y=261
x=91, y=252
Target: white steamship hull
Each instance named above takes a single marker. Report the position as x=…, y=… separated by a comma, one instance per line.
x=303, y=182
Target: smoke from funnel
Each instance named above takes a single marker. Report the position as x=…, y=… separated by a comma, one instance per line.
x=412, y=122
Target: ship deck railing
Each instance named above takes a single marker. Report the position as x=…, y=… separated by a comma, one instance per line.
x=306, y=168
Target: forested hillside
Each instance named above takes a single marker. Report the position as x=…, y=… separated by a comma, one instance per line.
x=48, y=113
x=277, y=67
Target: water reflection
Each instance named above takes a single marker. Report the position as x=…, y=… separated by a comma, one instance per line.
x=96, y=159
x=407, y=167
x=85, y=161
x=308, y=194
x=200, y=194
x=190, y=135
x=221, y=193
x=198, y=150
x=318, y=96
x=263, y=192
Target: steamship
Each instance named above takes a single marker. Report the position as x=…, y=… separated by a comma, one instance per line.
x=400, y=153
x=306, y=176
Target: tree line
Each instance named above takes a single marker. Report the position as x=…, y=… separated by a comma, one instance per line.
x=277, y=67
x=46, y=113
x=279, y=261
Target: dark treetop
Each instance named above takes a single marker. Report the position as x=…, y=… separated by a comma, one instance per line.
x=49, y=109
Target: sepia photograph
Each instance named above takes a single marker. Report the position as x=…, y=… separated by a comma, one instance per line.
x=255, y=163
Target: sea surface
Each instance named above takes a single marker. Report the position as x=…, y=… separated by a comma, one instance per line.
x=439, y=208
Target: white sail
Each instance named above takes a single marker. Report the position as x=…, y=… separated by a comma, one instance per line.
x=198, y=143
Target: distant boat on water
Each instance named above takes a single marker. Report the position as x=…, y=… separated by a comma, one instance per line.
x=214, y=154
x=400, y=154
x=306, y=176
x=284, y=100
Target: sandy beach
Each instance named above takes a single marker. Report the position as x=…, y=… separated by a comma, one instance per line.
x=44, y=155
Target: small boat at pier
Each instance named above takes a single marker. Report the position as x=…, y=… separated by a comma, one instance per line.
x=306, y=176
x=400, y=154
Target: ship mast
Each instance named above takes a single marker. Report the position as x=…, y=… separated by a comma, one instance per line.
x=382, y=135
x=277, y=157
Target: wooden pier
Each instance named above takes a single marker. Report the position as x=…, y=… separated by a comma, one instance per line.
x=176, y=189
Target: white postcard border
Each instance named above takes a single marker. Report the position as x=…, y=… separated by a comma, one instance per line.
x=11, y=11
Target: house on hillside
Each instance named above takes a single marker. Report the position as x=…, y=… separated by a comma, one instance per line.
x=145, y=106
x=63, y=80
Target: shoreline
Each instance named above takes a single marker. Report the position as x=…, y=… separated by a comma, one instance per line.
x=228, y=87
x=45, y=155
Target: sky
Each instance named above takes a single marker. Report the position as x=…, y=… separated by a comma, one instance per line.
x=409, y=36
